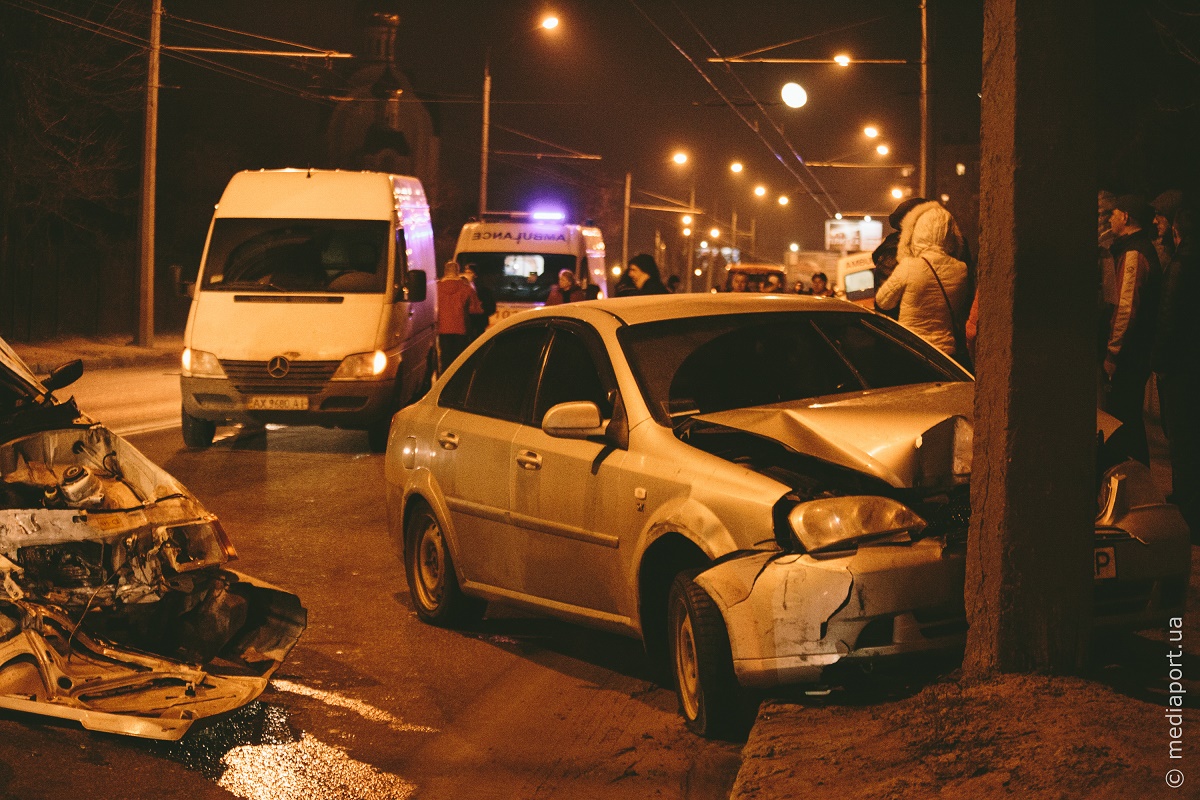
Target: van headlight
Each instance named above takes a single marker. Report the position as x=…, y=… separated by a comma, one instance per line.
x=199, y=364
x=362, y=366
x=843, y=523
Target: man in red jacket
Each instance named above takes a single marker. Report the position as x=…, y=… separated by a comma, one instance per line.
x=456, y=300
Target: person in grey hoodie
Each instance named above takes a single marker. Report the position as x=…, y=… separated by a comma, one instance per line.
x=929, y=242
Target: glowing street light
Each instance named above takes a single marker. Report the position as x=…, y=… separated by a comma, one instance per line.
x=703, y=244
x=842, y=60
x=783, y=199
x=680, y=158
x=687, y=219
x=883, y=150
x=870, y=131
x=897, y=193
x=550, y=23
x=760, y=190
x=687, y=231
x=794, y=95
x=795, y=248
x=715, y=233
x=735, y=167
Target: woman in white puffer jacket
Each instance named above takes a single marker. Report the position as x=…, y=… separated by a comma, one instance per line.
x=929, y=243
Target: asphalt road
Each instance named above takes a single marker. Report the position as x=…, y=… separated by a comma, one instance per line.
x=372, y=703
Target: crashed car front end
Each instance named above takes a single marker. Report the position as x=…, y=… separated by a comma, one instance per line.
x=117, y=607
x=873, y=536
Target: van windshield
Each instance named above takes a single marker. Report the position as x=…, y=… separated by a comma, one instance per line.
x=518, y=277
x=297, y=255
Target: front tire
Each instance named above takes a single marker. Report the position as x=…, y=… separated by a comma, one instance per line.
x=711, y=701
x=197, y=433
x=432, y=579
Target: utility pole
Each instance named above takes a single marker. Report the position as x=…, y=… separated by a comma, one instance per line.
x=487, y=114
x=625, y=222
x=923, y=179
x=145, y=337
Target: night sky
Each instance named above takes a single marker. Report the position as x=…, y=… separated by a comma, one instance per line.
x=606, y=82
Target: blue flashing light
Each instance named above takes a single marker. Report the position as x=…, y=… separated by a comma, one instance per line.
x=548, y=216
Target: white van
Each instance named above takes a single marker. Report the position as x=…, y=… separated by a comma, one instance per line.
x=314, y=304
x=517, y=257
x=856, y=279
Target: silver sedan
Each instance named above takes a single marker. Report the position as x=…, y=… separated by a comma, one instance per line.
x=757, y=487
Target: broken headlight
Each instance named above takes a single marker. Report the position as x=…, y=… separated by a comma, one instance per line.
x=842, y=523
x=195, y=545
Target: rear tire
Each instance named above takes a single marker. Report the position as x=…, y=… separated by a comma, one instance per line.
x=432, y=579
x=197, y=433
x=711, y=701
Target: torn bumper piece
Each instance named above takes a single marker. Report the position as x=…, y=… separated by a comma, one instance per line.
x=50, y=666
x=789, y=617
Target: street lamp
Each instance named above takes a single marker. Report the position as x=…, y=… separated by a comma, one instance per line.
x=760, y=190
x=735, y=167
x=783, y=199
x=547, y=23
x=793, y=95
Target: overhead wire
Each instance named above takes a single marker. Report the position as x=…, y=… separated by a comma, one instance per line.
x=778, y=128
x=820, y=201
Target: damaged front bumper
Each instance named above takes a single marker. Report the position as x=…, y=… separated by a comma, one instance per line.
x=791, y=616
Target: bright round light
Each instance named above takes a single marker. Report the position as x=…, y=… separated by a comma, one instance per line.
x=680, y=157
x=704, y=244
x=715, y=233
x=687, y=219
x=795, y=248
x=760, y=190
x=842, y=60
x=883, y=150
x=945, y=198
x=616, y=271
x=687, y=231
x=794, y=95
x=735, y=167
x=897, y=193
x=698, y=272
x=783, y=200
x=838, y=215
x=550, y=22
x=867, y=218
x=870, y=131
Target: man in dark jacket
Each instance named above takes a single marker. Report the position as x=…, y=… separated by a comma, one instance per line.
x=1131, y=336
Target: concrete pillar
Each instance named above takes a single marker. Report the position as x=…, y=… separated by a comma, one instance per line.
x=1029, y=569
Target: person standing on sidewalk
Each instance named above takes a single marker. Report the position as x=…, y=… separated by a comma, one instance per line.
x=1131, y=337
x=1177, y=363
x=456, y=301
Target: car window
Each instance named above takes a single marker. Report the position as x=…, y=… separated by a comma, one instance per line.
x=700, y=365
x=498, y=380
x=570, y=374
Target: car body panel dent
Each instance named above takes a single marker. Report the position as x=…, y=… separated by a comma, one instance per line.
x=906, y=436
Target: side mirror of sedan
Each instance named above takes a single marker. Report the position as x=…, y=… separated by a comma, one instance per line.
x=575, y=420
x=64, y=375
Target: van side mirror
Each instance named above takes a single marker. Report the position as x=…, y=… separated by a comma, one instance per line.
x=64, y=375
x=413, y=290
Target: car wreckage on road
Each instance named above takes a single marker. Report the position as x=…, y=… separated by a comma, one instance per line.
x=759, y=488
x=117, y=607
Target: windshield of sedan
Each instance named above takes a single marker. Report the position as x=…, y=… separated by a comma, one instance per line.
x=297, y=255
x=701, y=365
x=518, y=277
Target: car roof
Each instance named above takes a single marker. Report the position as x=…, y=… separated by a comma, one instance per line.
x=760, y=269
x=649, y=308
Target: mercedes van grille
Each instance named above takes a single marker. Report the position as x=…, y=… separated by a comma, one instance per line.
x=303, y=377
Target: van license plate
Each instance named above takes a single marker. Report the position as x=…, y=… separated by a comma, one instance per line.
x=276, y=402
x=1106, y=563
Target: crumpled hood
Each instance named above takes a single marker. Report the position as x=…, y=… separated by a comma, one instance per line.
x=917, y=436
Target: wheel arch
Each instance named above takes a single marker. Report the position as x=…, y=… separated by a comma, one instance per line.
x=666, y=557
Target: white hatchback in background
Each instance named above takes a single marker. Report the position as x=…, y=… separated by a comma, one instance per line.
x=761, y=488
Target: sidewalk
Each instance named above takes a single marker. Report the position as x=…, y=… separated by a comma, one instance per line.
x=99, y=353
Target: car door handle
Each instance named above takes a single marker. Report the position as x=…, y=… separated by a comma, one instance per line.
x=448, y=440
x=529, y=459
